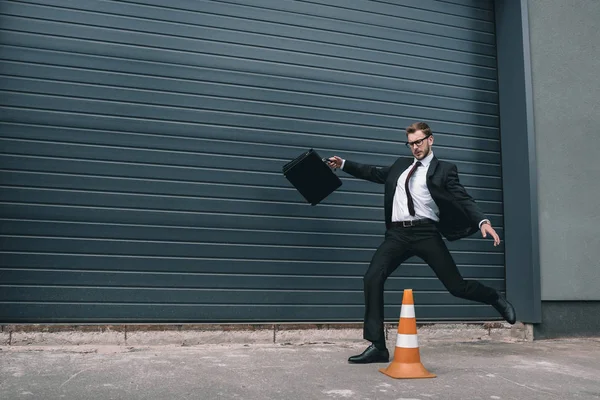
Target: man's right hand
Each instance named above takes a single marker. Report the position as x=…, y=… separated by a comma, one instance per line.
x=335, y=162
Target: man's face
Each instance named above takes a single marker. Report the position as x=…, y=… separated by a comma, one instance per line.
x=419, y=144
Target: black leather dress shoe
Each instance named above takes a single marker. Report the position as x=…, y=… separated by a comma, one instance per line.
x=371, y=355
x=505, y=309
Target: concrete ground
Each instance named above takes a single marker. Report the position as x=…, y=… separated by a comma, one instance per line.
x=467, y=369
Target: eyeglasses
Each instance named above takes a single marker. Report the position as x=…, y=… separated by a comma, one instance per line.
x=418, y=143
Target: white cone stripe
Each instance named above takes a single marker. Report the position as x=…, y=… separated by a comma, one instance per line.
x=407, y=341
x=407, y=311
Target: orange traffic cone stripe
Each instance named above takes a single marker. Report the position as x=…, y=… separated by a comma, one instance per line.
x=407, y=327
x=407, y=359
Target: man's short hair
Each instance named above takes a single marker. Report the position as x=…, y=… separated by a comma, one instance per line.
x=419, y=126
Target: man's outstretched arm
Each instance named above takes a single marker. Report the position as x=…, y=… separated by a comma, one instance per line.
x=460, y=194
x=361, y=171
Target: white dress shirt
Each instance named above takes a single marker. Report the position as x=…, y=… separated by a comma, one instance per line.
x=425, y=207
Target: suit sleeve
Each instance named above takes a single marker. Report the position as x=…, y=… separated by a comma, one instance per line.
x=367, y=172
x=463, y=198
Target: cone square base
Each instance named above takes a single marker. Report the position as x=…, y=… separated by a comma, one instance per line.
x=406, y=371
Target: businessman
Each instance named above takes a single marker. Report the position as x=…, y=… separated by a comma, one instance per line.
x=423, y=200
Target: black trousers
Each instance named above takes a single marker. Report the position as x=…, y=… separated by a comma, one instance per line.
x=400, y=243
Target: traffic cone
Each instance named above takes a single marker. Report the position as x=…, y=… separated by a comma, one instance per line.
x=407, y=360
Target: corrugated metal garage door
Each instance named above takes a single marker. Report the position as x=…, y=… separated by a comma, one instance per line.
x=142, y=144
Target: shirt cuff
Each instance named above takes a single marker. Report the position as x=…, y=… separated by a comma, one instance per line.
x=343, y=162
x=484, y=220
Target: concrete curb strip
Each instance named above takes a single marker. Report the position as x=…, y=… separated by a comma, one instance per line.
x=193, y=334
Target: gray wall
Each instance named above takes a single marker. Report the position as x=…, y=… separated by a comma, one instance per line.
x=142, y=145
x=565, y=62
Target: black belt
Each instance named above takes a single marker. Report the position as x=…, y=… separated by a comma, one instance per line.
x=408, y=224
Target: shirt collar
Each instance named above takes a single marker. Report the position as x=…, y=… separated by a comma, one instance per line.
x=426, y=161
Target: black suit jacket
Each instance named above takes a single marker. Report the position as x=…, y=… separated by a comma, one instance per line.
x=459, y=214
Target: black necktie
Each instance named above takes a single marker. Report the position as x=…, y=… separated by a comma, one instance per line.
x=411, y=205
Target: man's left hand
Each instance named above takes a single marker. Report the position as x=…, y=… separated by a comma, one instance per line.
x=487, y=229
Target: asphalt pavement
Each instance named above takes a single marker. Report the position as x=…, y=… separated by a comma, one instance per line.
x=474, y=369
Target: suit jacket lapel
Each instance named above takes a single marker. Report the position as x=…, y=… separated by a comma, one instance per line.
x=432, y=167
x=404, y=163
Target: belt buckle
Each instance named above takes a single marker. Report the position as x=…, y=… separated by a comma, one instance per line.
x=406, y=224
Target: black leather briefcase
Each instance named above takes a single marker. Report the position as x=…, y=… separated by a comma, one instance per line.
x=311, y=177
